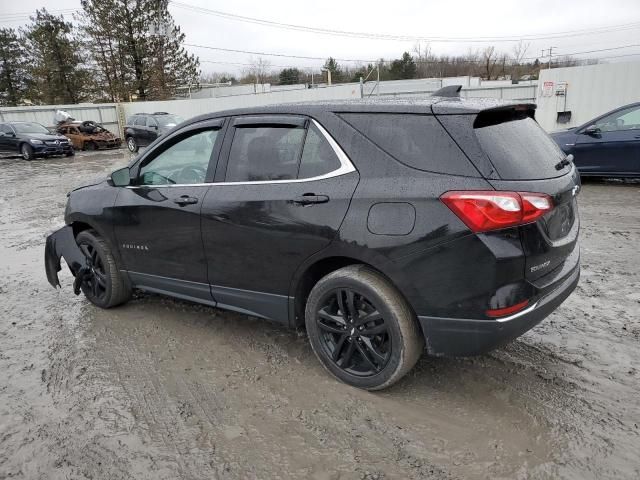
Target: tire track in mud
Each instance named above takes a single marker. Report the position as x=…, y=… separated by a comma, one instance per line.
x=161, y=389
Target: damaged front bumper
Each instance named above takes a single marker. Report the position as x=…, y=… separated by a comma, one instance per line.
x=62, y=244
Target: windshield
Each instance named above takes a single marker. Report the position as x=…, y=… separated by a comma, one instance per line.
x=30, y=127
x=169, y=120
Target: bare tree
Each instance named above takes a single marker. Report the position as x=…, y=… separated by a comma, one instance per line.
x=257, y=72
x=489, y=60
x=424, y=59
x=519, y=52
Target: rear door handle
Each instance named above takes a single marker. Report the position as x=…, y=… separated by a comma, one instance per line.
x=185, y=200
x=310, y=199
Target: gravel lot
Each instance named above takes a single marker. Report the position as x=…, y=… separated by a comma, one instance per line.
x=162, y=389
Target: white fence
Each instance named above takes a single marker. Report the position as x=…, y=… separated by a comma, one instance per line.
x=104, y=113
x=192, y=107
x=113, y=115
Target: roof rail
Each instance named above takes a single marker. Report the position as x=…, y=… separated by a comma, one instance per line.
x=160, y=113
x=448, y=91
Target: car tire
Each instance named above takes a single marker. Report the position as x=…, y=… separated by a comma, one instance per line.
x=132, y=145
x=90, y=146
x=108, y=286
x=372, y=354
x=26, y=151
x=70, y=154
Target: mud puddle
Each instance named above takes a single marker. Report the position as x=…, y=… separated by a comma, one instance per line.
x=162, y=389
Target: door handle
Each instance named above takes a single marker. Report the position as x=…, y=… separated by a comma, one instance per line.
x=310, y=199
x=185, y=200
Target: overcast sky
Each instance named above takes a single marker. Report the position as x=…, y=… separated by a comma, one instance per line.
x=451, y=19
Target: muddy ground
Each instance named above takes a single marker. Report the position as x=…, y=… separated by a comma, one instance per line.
x=162, y=389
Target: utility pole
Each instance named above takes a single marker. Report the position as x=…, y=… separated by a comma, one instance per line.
x=550, y=50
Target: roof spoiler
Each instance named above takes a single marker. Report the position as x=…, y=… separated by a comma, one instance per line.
x=448, y=91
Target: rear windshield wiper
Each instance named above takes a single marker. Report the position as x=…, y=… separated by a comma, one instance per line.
x=564, y=162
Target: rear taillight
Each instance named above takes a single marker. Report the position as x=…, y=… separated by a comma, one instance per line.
x=482, y=211
x=503, y=312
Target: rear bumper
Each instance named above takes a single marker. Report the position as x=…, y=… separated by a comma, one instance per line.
x=466, y=337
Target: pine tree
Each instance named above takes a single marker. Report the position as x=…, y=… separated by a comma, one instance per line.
x=138, y=49
x=403, y=68
x=289, y=76
x=334, y=67
x=56, y=67
x=14, y=78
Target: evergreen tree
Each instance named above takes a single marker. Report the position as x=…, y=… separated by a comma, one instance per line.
x=403, y=68
x=138, y=49
x=333, y=66
x=289, y=76
x=14, y=78
x=56, y=65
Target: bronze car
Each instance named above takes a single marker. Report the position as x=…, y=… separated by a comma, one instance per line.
x=89, y=135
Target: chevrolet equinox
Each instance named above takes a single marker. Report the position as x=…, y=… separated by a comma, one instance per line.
x=385, y=227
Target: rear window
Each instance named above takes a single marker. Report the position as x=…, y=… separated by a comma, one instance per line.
x=418, y=141
x=518, y=147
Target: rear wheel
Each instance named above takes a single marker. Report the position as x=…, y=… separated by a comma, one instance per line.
x=103, y=284
x=90, y=146
x=361, y=328
x=132, y=145
x=27, y=151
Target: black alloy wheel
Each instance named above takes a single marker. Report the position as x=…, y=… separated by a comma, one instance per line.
x=94, y=282
x=100, y=278
x=354, y=333
x=361, y=328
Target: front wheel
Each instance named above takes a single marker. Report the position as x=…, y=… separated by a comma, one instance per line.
x=132, y=145
x=102, y=282
x=27, y=151
x=361, y=328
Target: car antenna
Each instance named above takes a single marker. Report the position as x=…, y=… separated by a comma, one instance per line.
x=448, y=91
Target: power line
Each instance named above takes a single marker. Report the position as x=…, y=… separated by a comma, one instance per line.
x=383, y=36
x=304, y=57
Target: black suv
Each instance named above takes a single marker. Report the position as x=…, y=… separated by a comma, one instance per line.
x=31, y=140
x=384, y=226
x=143, y=128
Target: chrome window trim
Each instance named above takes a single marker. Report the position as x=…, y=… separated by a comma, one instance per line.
x=345, y=167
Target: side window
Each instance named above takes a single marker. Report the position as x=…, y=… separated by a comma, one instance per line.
x=318, y=158
x=627, y=119
x=418, y=141
x=152, y=122
x=63, y=130
x=264, y=153
x=74, y=130
x=140, y=121
x=184, y=162
x=6, y=129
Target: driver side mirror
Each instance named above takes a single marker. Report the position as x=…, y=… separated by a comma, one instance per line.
x=592, y=130
x=121, y=178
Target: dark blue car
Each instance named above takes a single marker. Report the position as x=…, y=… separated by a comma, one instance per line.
x=607, y=146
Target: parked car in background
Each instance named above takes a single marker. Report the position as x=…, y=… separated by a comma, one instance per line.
x=384, y=226
x=608, y=145
x=89, y=135
x=143, y=128
x=31, y=140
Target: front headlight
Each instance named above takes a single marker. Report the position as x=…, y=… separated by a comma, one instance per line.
x=36, y=142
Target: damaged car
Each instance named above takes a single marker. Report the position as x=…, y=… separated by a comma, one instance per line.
x=89, y=135
x=384, y=227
